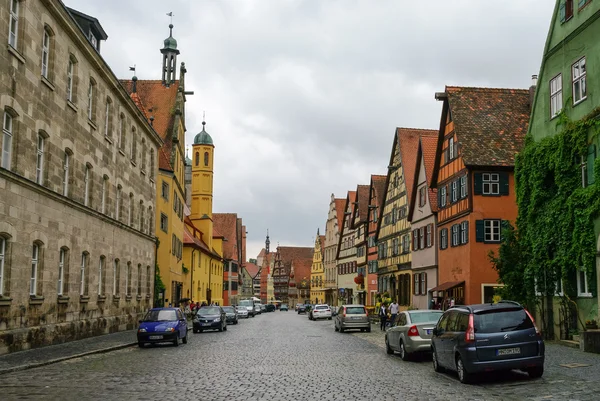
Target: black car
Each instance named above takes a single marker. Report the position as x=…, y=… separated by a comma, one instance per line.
x=230, y=314
x=210, y=318
x=485, y=338
x=270, y=308
x=301, y=308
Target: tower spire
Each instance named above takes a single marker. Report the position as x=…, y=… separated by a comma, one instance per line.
x=169, y=52
x=267, y=242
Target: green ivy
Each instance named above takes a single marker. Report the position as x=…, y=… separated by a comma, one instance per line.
x=159, y=287
x=554, y=233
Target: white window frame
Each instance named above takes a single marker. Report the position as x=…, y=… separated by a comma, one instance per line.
x=39, y=168
x=93, y=40
x=536, y=287
x=2, y=259
x=579, y=73
x=556, y=96
x=86, y=182
x=495, y=230
x=66, y=174
x=82, y=271
x=455, y=235
x=444, y=239
x=61, y=270
x=45, y=52
x=13, y=30
x=463, y=187
x=464, y=230
x=583, y=291
x=423, y=281
x=101, y=272
x=454, y=191
x=422, y=196
x=561, y=292
x=34, y=269
x=421, y=238
x=443, y=196
x=429, y=235
x=451, y=154
x=165, y=218
x=7, y=131
x=70, y=73
x=90, y=108
x=490, y=184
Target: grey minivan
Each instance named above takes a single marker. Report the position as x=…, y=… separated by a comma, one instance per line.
x=352, y=317
x=487, y=337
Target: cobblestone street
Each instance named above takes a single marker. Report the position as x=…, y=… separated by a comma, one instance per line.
x=284, y=356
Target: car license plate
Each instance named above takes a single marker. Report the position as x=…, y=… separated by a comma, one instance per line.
x=356, y=318
x=429, y=331
x=155, y=337
x=205, y=324
x=508, y=351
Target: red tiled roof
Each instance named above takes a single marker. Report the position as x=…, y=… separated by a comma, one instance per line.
x=362, y=196
x=156, y=100
x=340, y=204
x=378, y=184
x=322, y=238
x=189, y=239
x=293, y=253
x=428, y=148
x=490, y=123
x=302, y=269
x=251, y=268
x=226, y=223
x=408, y=139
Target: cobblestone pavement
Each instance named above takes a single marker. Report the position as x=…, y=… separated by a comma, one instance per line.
x=284, y=356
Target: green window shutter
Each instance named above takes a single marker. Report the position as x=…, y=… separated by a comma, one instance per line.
x=504, y=188
x=477, y=183
x=562, y=12
x=479, y=231
x=591, y=156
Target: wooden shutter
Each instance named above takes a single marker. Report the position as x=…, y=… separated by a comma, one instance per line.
x=424, y=279
x=591, y=156
x=467, y=232
x=477, y=183
x=504, y=187
x=440, y=240
x=479, y=231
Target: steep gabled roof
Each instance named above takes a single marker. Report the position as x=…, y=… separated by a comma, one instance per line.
x=408, y=139
x=293, y=253
x=252, y=269
x=340, y=204
x=302, y=268
x=226, y=224
x=378, y=184
x=322, y=240
x=362, y=197
x=490, y=125
x=426, y=153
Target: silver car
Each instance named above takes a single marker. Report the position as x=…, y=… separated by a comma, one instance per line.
x=412, y=333
x=352, y=317
x=242, y=312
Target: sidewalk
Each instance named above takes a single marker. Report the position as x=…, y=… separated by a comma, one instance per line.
x=55, y=353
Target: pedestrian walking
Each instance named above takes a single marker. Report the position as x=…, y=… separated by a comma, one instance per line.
x=394, y=312
x=383, y=311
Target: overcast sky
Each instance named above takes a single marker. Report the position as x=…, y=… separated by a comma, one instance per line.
x=302, y=97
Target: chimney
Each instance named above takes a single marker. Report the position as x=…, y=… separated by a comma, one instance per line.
x=532, y=90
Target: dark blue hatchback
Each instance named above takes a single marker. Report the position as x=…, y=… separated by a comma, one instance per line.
x=162, y=325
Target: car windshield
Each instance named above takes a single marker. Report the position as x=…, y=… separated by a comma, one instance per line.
x=284, y=306
x=425, y=317
x=322, y=307
x=245, y=303
x=211, y=310
x=229, y=309
x=160, y=315
x=355, y=310
x=496, y=321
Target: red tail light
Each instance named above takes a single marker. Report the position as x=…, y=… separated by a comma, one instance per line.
x=534, y=325
x=413, y=331
x=470, y=333
x=344, y=312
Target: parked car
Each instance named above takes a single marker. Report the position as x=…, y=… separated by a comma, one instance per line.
x=270, y=308
x=487, y=337
x=412, y=332
x=263, y=308
x=249, y=305
x=283, y=307
x=210, y=318
x=242, y=312
x=320, y=312
x=231, y=315
x=257, y=309
x=301, y=308
x=352, y=317
x=162, y=325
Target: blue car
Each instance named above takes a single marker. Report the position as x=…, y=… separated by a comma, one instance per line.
x=162, y=325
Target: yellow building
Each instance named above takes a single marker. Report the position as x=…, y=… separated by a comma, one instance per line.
x=162, y=102
x=317, y=286
x=206, y=264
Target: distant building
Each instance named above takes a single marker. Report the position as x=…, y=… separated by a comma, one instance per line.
x=333, y=227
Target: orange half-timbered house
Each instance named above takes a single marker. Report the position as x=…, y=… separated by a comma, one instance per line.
x=481, y=130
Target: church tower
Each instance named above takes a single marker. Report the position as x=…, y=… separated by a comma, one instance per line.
x=202, y=184
x=169, y=52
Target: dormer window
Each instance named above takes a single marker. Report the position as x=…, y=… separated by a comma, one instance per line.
x=93, y=40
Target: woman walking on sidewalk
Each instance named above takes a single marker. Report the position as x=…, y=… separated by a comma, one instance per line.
x=383, y=316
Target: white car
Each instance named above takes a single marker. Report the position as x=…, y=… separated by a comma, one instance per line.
x=320, y=312
x=242, y=311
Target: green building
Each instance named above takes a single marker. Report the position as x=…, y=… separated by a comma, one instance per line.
x=567, y=94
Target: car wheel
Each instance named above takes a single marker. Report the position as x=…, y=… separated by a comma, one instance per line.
x=335, y=328
x=536, y=372
x=403, y=354
x=388, y=349
x=140, y=344
x=194, y=330
x=341, y=329
x=436, y=365
x=463, y=375
x=184, y=339
x=176, y=341
x=369, y=329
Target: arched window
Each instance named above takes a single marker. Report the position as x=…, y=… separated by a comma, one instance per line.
x=46, y=49
x=71, y=79
x=63, y=269
x=41, y=148
x=108, y=121
x=66, y=168
x=105, y=187
x=144, y=154
x=141, y=217
x=148, y=280
x=128, y=279
x=4, y=263
x=91, y=107
x=86, y=183
x=102, y=275
x=133, y=147
x=7, y=137
x=36, y=268
x=139, y=279
x=84, y=279
x=121, y=131
x=197, y=158
x=118, y=202
x=116, y=277
x=13, y=31
x=206, y=158
x=130, y=214
x=152, y=164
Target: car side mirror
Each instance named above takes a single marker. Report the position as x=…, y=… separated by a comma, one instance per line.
x=140, y=321
x=435, y=331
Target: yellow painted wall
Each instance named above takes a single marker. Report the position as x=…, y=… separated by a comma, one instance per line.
x=317, y=272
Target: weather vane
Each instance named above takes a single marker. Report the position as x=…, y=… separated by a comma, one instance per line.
x=132, y=69
x=170, y=14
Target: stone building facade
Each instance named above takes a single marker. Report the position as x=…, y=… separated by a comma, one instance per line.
x=77, y=188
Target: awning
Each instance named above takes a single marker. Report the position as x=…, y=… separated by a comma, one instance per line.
x=447, y=285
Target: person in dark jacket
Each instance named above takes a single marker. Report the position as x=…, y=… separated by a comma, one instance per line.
x=383, y=316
